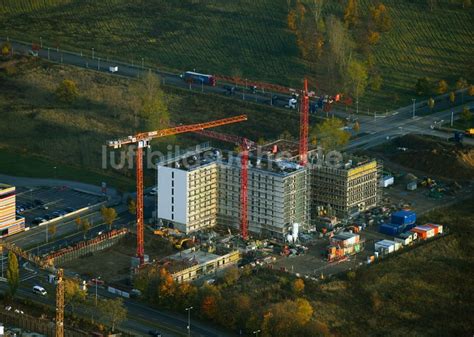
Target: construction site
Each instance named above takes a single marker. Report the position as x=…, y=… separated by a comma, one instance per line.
x=282, y=204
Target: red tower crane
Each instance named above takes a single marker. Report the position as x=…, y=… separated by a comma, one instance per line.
x=304, y=125
x=304, y=110
x=246, y=145
x=142, y=140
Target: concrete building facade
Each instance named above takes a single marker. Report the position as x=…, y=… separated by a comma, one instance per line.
x=187, y=195
x=345, y=189
x=10, y=223
x=207, y=189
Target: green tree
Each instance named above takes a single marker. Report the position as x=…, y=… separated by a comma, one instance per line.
x=112, y=312
x=356, y=126
x=466, y=114
x=470, y=91
x=461, y=83
x=13, y=274
x=148, y=102
x=331, y=134
x=442, y=87
x=73, y=293
x=298, y=286
x=357, y=77
x=132, y=206
x=423, y=86
x=83, y=225
x=351, y=14
x=67, y=91
x=52, y=230
x=6, y=48
x=380, y=17
x=108, y=215
x=431, y=103
x=452, y=97
x=376, y=82
x=231, y=275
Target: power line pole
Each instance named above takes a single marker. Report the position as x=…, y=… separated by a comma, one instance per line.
x=414, y=101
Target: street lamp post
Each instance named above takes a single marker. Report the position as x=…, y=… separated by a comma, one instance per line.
x=189, y=319
x=41, y=42
x=92, y=53
x=414, y=101
x=256, y=332
x=98, y=63
x=96, y=281
x=48, y=53
x=143, y=63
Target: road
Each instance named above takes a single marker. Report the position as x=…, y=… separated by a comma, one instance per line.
x=391, y=124
x=140, y=318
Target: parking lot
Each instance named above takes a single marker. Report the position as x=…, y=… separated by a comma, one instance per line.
x=41, y=204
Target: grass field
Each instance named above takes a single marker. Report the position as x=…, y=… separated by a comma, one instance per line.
x=249, y=39
x=34, y=124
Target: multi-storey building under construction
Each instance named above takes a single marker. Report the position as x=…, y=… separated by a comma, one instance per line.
x=200, y=190
x=344, y=188
x=10, y=223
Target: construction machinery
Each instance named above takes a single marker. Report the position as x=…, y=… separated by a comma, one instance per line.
x=245, y=145
x=142, y=140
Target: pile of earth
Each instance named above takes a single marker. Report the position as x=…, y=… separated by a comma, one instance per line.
x=435, y=157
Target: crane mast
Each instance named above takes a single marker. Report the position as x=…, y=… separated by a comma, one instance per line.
x=142, y=140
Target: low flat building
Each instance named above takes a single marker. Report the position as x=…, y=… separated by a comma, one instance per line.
x=10, y=222
x=191, y=264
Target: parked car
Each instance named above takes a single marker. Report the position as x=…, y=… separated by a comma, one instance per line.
x=38, y=220
x=38, y=202
x=154, y=333
x=55, y=215
x=47, y=217
x=69, y=209
x=62, y=213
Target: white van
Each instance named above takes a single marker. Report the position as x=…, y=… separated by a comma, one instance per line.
x=40, y=290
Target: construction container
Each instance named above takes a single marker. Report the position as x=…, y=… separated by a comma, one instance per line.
x=386, y=181
x=390, y=229
x=385, y=246
x=424, y=232
x=345, y=239
x=438, y=229
x=411, y=186
x=405, y=241
x=403, y=218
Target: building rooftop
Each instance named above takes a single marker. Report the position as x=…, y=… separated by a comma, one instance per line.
x=201, y=157
x=4, y=186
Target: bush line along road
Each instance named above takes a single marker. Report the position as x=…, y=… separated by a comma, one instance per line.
x=379, y=128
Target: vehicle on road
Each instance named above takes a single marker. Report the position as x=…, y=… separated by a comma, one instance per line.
x=193, y=77
x=33, y=53
x=154, y=333
x=38, y=220
x=40, y=290
x=55, y=215
x=38, y=202
x=113, y=69
x=69, y=210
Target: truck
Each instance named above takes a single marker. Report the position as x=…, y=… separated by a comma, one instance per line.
x=193, y=77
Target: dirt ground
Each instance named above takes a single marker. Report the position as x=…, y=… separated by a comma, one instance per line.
x=113, y=264
x=433, y=157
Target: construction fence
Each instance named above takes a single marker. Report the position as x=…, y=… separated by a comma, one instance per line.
x=84, y=248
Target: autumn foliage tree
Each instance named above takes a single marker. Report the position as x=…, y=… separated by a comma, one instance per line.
x=351, y=15
x=442, y=87
x=67, y=91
